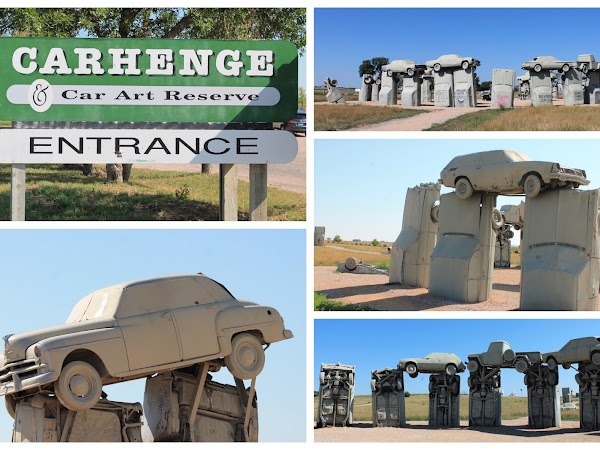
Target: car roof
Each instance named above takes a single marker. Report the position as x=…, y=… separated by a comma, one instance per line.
x=490, y=155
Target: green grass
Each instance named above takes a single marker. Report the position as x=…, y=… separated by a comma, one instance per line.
x=468, y=121
x=54, y=193
x=343, y=116
x=322, y=303
x=361, y=247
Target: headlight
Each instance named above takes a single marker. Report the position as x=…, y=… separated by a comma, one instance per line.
x=38, y=352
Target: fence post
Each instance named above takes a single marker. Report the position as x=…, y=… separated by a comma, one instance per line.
x=17, y=192
x=258, y=192
x=228, y=192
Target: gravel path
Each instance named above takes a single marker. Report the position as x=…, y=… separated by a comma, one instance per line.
x=418, y=431
x=372, y=291
x=289, y=177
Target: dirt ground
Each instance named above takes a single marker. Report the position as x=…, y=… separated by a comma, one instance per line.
x=289, y=177
x=511, y=431
x=435, y=115
x=374, y=292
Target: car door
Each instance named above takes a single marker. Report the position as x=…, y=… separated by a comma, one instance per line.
x=197, y=329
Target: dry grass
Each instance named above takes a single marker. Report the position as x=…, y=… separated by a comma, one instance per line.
x=541, y=118
x=330, y=256
x=417, y=408
x=350, y=97
x=342, y=117
x=362, y=247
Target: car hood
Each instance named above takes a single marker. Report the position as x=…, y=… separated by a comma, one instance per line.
x=15, y=345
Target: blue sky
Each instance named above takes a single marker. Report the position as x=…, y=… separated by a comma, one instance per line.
x=48, y=271
x=360, y=185
x=499, y=38
x=372, y=344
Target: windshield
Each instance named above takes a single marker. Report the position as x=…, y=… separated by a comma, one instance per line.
x=97, y=305
x=516, y=156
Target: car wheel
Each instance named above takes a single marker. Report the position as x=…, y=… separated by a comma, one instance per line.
x=552, y=364
x=585, y=69
x=351, y=379
x=471, y=382
x=410, y=72
x=368, y=80
x=322, y=378
x=455, y=388
x=78, y=387
x=351, y=263
x=497, y=219
x=247, y=357
x=390, y=73
x=510, y=234
x=537, y=68
x=517, y=227
x=450, y=369
x=11, y=405
x=373, y=385
x=579, y=380
x=566, y=366
x=465, y=65
x=495, y=382
x=399, y=386
x=411, y=369
x=596, y=358
x=521, y=365
x=509, y=355
x=532, y=185
x=437, y=67
x=463, y=188
x=431, y=386
x=435, y=214
x=566, y=68
x=552, y=378
x=473, y=366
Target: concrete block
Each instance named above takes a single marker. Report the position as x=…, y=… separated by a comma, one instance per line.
x=560, y=251
x=319, y=236
x=375, y=89
x=465, y=95
x=366, y=88
x=388, y=94
x=503, y=84
x=443, y=83
x=462, y=260
x=387, y=398
x=411, y=90
x=541, y=88
x=411, y=252
x=573, y=87
x=336, y=395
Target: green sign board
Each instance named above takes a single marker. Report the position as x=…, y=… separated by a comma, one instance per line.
x=147, y=80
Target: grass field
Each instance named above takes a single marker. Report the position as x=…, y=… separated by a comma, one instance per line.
x=417, y=408
x=54, y=193
x=363, y=247
x=322, y=303
x=330, y=256
x=342, y=117
x=320, y=94
x=541, y=118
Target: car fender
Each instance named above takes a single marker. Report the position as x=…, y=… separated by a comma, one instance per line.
x=106, y=343
x=264, y=319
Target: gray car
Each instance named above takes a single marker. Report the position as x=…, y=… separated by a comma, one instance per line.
x=297, y=124
x=447, y=363
x=575, y=351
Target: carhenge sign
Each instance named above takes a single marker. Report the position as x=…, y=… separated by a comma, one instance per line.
x=147, y=80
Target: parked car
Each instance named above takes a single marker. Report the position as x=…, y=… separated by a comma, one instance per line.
x=297, y=124
x=134, y=329
x=507, y=172
x=447, y=363
x=548, y=63
x=585, y=349
x=449, y=61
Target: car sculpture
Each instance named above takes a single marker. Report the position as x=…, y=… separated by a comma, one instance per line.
x=447, y=363
x=135, y=329
x=575, y=351
x=403, y=66
x=548, y=63
x=507, y=172
x=450, y=61
x=500, y=356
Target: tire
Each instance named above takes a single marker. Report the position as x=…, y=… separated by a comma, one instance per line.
x=552, y=364
x=532, y=185
x=351, y=379
x=435, y=214
x=11, y=405
x=579, y=380
x=465, y=65
x=333, y=83
x=585, y=69
x=351, y=263
x=566, y=366
x=510, y=234
x=509, y=355
x=495, y=382
x=378, y=81
x=431, y=386
x=369, y=80
x=463, y=188
x=390, y=73
x=247, y=357
x=437, y=67
x=450, y=370
x=497, y=219
x=595, y=358
x=521, y=365
x=565, y=68
x=470, y=382
x=372, y=385
x=473, y=366
x=517, y=227
x=526, y=380
x=322, y=378
x=552, y=378
x=78, y=387
x=399, y=385
x=537, y=68
x=410, y=72
x=411, y=369
x=455, y=388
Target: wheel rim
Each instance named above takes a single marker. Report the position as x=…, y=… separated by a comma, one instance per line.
x=462, y=188
x=80, y=385
x=411, y=368
x=247, y=356
x=530, y=185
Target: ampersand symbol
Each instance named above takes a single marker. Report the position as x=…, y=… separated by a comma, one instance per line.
x=39, y=95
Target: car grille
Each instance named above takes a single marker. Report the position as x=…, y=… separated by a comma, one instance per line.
x=20, y=370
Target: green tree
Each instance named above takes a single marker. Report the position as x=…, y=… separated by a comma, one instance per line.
x=375, y=243
x=301, y=97
x=337, y=239
x=170, y=23
x=378, y=63
x=366, y=67
x=485, y=85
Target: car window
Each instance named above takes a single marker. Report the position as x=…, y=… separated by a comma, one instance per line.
x=153, y=296
x=97, y=305
x=301, y=116
x=516, y=156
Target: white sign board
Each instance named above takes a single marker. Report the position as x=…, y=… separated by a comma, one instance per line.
x=87, y=146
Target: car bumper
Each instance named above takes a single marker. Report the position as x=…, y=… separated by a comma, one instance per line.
x=22, y=375
x=570, y=177
x=287, y=334
x=296, y=129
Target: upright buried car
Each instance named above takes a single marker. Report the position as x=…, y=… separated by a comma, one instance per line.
x=134, y=329
x=507, y=172
x=447, y=363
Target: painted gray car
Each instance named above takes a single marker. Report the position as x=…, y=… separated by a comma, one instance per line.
x=447, y=363
x=547, y=63
x=585, y=349
x=450, y=61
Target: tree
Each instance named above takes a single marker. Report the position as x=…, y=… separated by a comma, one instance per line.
x=477, y=83
x=157, y=23
x=375, y=243
x=485, y=85
x=379, y=62
x=337, y=239
x=366, y=68
x=301, y=97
